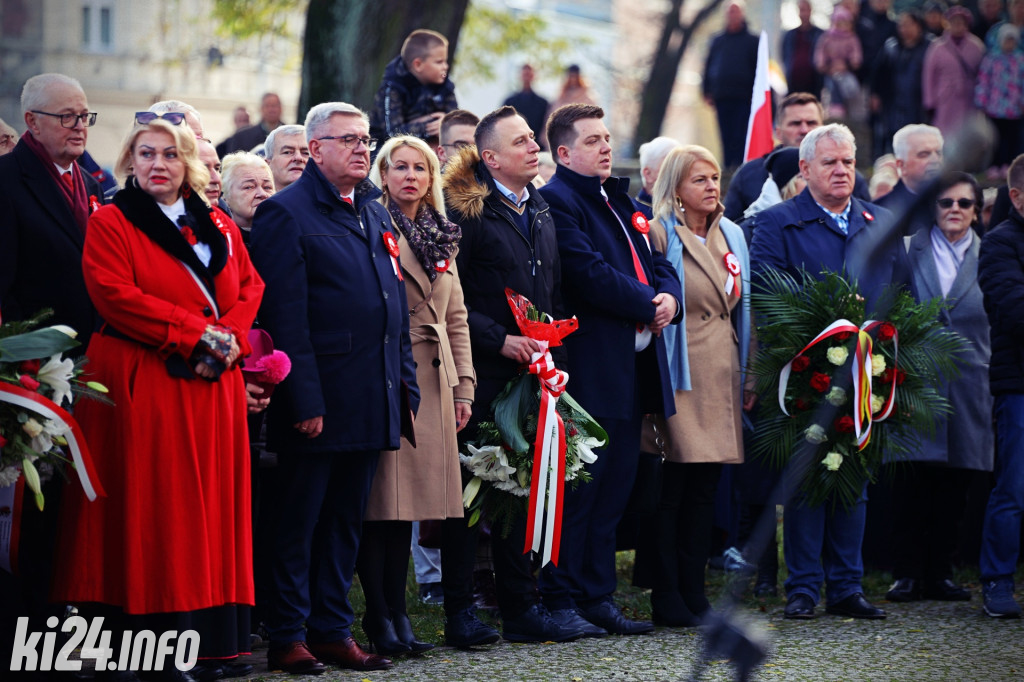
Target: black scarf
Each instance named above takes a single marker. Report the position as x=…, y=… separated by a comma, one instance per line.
x=142, y=211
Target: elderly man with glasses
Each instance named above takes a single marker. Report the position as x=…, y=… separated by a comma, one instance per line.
x=45, y=201
x=335, y=303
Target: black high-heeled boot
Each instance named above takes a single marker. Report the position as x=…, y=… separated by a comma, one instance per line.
x=383, y=640
x=403, y=630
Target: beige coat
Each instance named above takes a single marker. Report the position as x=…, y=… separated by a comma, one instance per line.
x=707, y=426
x=425, y=482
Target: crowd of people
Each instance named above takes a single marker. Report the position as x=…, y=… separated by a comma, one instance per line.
x=382, y=273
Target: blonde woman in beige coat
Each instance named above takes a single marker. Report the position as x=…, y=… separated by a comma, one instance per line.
x=706, y=354
x=421, y=483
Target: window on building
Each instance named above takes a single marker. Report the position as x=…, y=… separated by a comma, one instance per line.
x=98, y=25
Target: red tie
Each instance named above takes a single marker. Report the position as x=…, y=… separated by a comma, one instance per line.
x=69, y=180
x=636, y=259
x=348, y=200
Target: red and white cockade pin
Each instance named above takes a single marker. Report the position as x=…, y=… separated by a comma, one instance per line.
x=732, y=282
x=391, y=244
x=94, y=203
x=868, y=217
x=443, y=265
x=643, y=226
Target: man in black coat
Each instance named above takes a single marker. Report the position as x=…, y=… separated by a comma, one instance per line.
x=45, y=201
x=1001, y=278
x=624, y=294
x=530, y=105
x=508, y=240
x=729, y=82
x=335, y=303
x=918, y=151
x=247, y=138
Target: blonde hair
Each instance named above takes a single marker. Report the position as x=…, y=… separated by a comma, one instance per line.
x=434, y=195
x=196, y=175
x=677, y=165
x=231, y=164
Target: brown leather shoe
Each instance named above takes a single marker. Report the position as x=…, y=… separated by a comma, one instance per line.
x=294, y=658
x=346, y=653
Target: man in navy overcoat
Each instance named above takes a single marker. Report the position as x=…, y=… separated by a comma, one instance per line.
x=826, y=228
x=624, y=294
x=336, y=305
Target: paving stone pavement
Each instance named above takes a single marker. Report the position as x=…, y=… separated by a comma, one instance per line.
x=922, y=641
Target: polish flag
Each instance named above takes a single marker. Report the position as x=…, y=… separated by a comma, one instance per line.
x=759, y=128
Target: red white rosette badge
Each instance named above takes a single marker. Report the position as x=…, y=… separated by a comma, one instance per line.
x=443, y=265
x=391, y=244
x=732, y=282
x=642, y=225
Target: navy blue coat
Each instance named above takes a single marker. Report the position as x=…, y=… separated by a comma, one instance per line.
x=799, y=234
x=334, y=304
x=41, y=246
x=901, y=201
x=1001, y=277
x=599, y=285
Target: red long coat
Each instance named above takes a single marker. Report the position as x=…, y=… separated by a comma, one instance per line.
x=174, y=532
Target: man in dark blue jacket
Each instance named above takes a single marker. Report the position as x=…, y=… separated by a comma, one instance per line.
x=729, y=81
x=335, y=303
x=826, y=227
x=624, y=294
x=1001, y=278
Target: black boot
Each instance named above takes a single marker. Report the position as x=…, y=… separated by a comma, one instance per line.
x=403, y=630
x=669, y=610
x=383, y=640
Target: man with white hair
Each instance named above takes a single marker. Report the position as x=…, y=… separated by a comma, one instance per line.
x=918, y=151
x=335, y=303
x=652, y=154
x=45, y=201
x=287, y=153
x=826, y=228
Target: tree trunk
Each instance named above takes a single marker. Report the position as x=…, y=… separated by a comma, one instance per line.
x=675, y=39
x=349, y=42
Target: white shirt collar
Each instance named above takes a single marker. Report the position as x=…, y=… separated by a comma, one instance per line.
x=510, y=195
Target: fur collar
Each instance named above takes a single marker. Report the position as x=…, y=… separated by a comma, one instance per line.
x=141, y=211
x=466, y=184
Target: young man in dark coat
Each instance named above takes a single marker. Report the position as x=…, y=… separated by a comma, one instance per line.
x=1001, y=278
x=335, y=303
x=624, y=293
x=508, y=240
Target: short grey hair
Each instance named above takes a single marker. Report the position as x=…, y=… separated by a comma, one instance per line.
x=174, y=105
x=34, y=93
x=656, y=150
x=231, y=164
x=270, y=146
x=836, y=132
x=901, y=140
x=320, y=115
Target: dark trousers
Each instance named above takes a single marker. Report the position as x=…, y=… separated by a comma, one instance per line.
x=733, y=117
x=586, y=566
x=928, y=504
x=513, y=570
x=684, y=520
x=318, y=526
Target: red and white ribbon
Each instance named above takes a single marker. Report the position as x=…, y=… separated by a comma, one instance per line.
x=732, y=282
x=547, y=486
x=862, y=376
x=32, y=401
x=223, y=230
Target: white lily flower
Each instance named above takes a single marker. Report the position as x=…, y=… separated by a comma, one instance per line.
x=65, y=329
x=57, y=374
x=585, y=449
x=469, y=494
x=43, y=441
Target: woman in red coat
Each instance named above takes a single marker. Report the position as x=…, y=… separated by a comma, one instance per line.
x=171, y=540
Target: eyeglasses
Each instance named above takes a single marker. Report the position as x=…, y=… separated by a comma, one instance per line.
x=88, y=119
x=459, y=145
x=175, y=118
x=352, y=141
x=947, y=203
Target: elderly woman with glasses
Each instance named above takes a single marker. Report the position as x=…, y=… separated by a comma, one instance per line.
x=930, y=490
x=169, y=547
